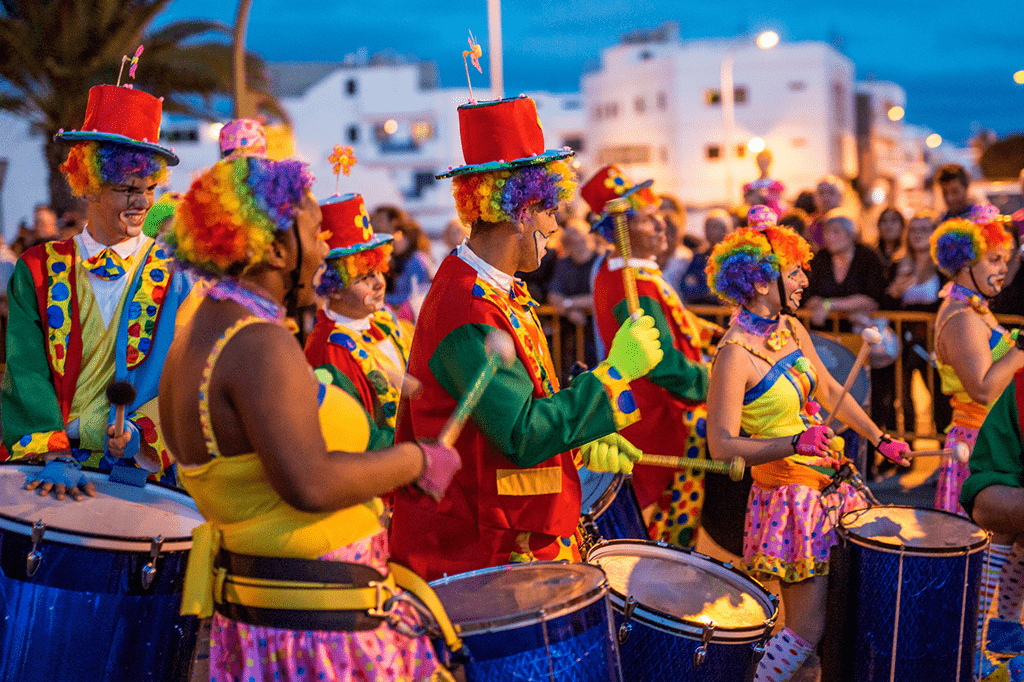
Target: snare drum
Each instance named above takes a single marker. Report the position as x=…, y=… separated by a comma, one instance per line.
x=543, y=620
x=682, y=615
x=91, y=590
x=609, y=510
x=912, y=595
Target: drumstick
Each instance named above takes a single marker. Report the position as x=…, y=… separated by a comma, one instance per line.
x=960, y=451
x=733, y=467
x=616, y=209
x=120, y=394
x=500, y=350
x=869, y=336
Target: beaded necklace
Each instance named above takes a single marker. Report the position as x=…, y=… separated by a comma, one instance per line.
x=775, y=335
x=258, y=303
x=958, y=292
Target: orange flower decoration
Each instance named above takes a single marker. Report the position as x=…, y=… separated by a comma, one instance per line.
x=342, y=159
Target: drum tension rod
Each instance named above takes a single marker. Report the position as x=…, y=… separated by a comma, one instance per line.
x=627, y=614
x=149, y=570
x=700, y=654
x=35, y=557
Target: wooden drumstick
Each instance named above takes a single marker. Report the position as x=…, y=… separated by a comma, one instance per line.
x=120, y=394
x=960, y=451
x=616, y=209
x=869, y=336
x=733, y=467
x=500, y=350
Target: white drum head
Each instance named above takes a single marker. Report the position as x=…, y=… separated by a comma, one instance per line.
x=119, y=517
x=923, y=530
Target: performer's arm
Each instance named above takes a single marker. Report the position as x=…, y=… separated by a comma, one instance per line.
x=676, y=372
x=32, y=419
x=993, y=493
x=529, y=430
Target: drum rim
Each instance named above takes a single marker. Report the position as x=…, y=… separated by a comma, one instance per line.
x=16, y=524
x=605, y=500
x=502, y=623
x=656, y=618
x=909, y=550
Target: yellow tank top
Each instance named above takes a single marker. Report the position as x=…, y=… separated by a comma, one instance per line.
x=966, y=412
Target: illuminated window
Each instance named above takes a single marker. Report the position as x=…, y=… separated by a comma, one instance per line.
x=741, y=151
x=713, y=152
x=640, y=105
x=422, y=131
x=625, y=155
x=713, y=96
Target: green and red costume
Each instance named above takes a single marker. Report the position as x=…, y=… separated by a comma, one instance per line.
x=45, y=348
x=671, y=397
x=517, y=496
x=998, y=455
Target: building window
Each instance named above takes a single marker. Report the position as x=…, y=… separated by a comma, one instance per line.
x=625, y=155
x=422, y=180
x=797, y=86
x=640, y=105
x=798, y=142
x=571, y=104
x=353, y=133
x=713, y=96
x=646, y=55
x=351, y=87
x=611, y=110
x=597, y=112
x=839, y=103
x=713, y=152
x=662, y=100
x=741, y=151
x=180, y=135
x=422, y=131
x=663, y=154
x=574, y=142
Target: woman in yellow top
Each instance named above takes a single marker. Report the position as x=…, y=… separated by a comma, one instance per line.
x=760, y=407
x=977, y=359
x=293, y=557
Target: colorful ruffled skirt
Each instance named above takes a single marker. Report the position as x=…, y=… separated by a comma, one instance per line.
x=249, y=653
x=790, y=530
x=953, y=472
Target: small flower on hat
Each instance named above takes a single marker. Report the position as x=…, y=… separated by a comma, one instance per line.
x=363, y=223
x=615, y=182
x=473, y=53
x=342, y=159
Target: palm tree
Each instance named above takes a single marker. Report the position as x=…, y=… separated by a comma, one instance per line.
x=53, y=51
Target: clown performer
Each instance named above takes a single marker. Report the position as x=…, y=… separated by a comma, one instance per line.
x=671, y=397
x=977, y=359
x=761, y=386
x=517, y=497
x=99, y=307
x=277, y=462
x=355, y=332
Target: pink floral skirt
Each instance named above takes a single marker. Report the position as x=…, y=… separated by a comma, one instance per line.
x=248, y=653
x=953, y=472
x=790, y=530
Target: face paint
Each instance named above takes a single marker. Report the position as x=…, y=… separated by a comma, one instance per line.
x=541, y=244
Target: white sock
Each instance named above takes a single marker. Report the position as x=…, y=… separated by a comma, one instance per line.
x=991, y=567
x=783, y=656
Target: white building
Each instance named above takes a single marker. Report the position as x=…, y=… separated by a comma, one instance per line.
x=655, y=108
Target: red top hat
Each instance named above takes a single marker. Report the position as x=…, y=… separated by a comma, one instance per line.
x=345, y=217
x=502, y=134
x=610, y=183
x=125, y=116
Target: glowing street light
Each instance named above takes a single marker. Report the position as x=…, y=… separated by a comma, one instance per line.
x=768, y=40
x=1018, y=78
x=214, y=130
x=391, y=126
x=933, y=140
x=755, y=145
x=895, y=113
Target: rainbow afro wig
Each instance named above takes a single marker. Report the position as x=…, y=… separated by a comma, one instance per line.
x=505, y=195
x=90, y=165
x=960, y=243
x=753, y=255
x=341, y=272
x=232, y=213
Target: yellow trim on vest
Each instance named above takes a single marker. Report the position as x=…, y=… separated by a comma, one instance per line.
x=536, y=481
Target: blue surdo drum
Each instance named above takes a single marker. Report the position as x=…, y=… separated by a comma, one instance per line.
x=683, y=616
x=91, y=590
x=543, y=620
x=911, y=596
x=609, y=510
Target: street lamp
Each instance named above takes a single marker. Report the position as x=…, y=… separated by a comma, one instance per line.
x=765, y=41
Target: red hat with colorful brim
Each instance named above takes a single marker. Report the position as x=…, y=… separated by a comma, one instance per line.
x=611, y=183
x=346, y=219
x=500, y=135
x=124, y=116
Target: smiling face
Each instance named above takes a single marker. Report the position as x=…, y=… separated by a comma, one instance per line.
x=118, y=211
x=363, y=297
x=794, y=280
x=990, y=272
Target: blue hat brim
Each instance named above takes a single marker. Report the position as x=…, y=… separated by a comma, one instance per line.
x=549, y=155
x=373, y=243
x=93, y=136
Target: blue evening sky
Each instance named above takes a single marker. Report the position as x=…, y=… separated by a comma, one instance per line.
x=955, y=59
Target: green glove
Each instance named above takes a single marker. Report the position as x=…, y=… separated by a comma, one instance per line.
x=611, y=453
x=636, y=350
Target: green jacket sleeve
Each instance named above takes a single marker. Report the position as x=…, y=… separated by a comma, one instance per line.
x=998, y=455
x=526, y=429
x=676, y=372
x=30, y=403
x=381, y=435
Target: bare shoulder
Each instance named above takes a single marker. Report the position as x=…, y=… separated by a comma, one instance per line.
x=262, y=351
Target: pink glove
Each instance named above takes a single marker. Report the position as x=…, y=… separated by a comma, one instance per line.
x=893, y=450
x=813, y=442
x=439, y=467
